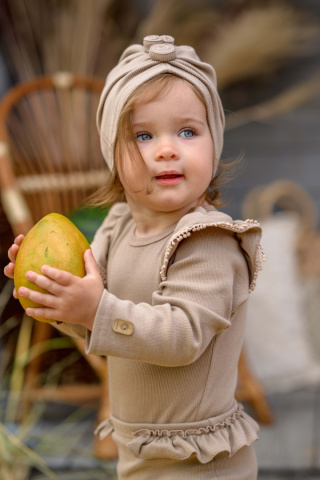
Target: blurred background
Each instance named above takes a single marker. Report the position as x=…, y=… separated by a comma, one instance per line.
x=54, y=57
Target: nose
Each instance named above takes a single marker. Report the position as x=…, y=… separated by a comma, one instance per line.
x=166, y=150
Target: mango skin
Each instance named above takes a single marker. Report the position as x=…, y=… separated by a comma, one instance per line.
x=53, y=241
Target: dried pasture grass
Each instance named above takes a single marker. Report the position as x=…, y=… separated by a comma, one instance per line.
x=258, y=41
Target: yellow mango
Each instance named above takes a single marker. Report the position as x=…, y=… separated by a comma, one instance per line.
x=53, y=241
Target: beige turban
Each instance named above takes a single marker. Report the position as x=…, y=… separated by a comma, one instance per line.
x=137, y=65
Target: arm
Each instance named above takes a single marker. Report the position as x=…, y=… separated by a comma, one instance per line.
x=193, y=305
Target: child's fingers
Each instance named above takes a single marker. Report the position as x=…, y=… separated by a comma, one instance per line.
x=44, y=282
x=45, y=299
x=18, y=239
x=90, y=263
x=12, y=252
x=9, y=270
x=59, y=276
x=47, y=313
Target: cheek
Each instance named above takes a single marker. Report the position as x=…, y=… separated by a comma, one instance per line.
x=209, y=160
x=206, y=161
x=133, y=175
x=205, y=176
x=128, y=176
x=145, y=152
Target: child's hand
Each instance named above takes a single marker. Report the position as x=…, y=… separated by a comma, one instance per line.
x=71, y=299
x=12, y=254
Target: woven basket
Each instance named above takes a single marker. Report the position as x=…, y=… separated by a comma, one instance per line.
x=283, y=204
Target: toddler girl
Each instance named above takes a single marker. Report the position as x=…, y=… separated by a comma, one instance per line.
x=166, y=290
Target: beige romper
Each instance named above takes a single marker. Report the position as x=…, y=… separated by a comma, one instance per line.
x=171, y=322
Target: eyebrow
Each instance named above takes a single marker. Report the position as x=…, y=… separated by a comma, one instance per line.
x=191, y=120
x=184, y=120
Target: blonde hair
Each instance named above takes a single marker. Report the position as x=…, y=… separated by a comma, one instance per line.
x=126, y=148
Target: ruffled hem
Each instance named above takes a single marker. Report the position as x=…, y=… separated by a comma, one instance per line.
x=233, y=433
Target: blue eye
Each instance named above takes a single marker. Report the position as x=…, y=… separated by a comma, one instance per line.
x=142, y=137
x=187, y=133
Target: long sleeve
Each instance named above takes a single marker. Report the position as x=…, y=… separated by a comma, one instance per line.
x=192, y=305
x=74, y=331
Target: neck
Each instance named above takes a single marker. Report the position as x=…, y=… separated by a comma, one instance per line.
x=147, y=226
x=150, y=223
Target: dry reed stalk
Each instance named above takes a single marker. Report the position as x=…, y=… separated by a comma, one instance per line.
x=258, y=41
x=76, y=34
x=46, y=37
x=188, y=22
x=6, y=293
x=287, y=101
x=14, y=472
x=22, y=56
x=17, y=377
x=17, y=458
x=86, y=37
x=8, y=346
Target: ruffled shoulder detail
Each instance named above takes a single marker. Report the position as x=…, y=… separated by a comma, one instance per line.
x=206, y=442
x=248, y=233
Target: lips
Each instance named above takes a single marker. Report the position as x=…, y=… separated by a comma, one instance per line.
x=168, y=175
x=169, y=178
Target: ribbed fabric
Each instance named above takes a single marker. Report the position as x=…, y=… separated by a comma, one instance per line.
x=188, y=453
x=172, y=379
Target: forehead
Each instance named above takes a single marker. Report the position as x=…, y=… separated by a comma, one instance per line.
x=177, y=95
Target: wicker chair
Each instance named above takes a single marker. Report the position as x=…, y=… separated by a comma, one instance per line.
x=50, y=161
